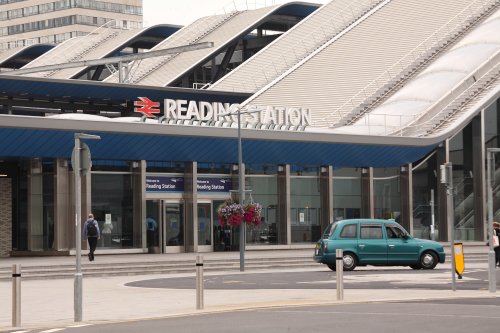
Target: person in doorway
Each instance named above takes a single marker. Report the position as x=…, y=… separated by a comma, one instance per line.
x=151, y=228
x=227, y=238
x=106, y=233
x=496, y=232
x=91, y=233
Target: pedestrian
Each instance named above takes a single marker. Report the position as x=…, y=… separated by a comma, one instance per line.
x=496, y=232
x=91, y=233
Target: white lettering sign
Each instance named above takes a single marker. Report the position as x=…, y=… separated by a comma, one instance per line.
x=216, y=111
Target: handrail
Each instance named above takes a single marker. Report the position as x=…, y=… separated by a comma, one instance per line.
x=303, y=47
x=422, y=51
x=443, y=105
x=201, y=27
x=400, y=127
x=75, y=47
x=242, y=5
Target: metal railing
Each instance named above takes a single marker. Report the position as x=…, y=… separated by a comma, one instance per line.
x=242, y=5
x=77, y=47
x=463, y=92
x=412, y=61
x=339, y=22
x=196, y=31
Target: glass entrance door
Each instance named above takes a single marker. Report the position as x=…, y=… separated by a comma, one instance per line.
x=174, y=226
x=212, y=236
x=205, y=242
x=153, y=232
x=165, y=226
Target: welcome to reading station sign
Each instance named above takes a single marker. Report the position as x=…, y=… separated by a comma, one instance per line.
x=166, y=184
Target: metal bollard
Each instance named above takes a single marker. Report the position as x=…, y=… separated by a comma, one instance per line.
x=199, y=282
x=16, y=295
x=339, y=256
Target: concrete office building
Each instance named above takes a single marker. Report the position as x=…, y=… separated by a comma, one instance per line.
x=353, y=122
x=28, y=22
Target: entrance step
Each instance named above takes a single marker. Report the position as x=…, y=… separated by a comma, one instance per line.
x=169, y=266
x=96, y=269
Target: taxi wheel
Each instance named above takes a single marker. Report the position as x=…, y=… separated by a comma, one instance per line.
x=417, y=266
x=428, y=260
x=350, y=261
x=332, y=267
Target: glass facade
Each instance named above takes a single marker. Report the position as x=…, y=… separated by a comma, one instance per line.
x=174, y=224
x=37, y=217
x=346, y=194
x=42, y=206
x=491, y=139
x=204, y=224
x=112, y=193
x=305, y=208
x=265, y=192
x=387, y=196
x=153, y=218
x=424, y=180
x=461, y=159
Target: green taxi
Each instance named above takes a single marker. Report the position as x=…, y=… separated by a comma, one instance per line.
x=376, y=242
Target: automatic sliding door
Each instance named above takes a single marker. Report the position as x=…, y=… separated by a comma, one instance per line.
x=152, y=223
x=205, y=227
x=174, y=226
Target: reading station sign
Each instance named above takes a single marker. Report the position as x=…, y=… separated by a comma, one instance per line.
x=165, y=184
x=181, y=109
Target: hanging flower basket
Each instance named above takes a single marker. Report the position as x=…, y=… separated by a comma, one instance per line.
x=233, y=214
x=230, y=213
x=252, y=213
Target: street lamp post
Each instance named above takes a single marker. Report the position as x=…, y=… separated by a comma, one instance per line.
x=77, y=168
x=491, y=252
x=241, y=194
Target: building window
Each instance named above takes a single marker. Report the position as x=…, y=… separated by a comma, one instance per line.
x=305, y=209
x=346, y=184
x=265, y=192
x=424, y=180
x=387, y=196
x=112, y=198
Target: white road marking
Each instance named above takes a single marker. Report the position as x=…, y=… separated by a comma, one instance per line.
x=53, y=330
x=434, y=278
x=357, y=313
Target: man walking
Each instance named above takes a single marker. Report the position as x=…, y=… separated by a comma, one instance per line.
x=91, y=233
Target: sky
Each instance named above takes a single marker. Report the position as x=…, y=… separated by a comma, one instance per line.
x=183, y=12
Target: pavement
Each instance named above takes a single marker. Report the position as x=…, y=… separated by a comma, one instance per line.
x=50, y=303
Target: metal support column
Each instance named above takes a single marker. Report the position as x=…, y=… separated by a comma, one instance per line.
x=492, y=278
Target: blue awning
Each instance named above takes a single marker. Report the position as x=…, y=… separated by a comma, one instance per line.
x=29, y=143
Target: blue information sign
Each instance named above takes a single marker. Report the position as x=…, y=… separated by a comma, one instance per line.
x=164, y=184
x=214, y=184
x=156, y=184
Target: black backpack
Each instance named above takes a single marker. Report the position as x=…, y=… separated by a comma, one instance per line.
x=91, y=229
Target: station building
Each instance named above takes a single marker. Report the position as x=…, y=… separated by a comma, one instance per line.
x=347, y=110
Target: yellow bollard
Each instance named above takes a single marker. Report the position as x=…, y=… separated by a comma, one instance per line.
x=459, y=259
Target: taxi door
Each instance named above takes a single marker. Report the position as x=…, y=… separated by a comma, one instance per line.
x=400, y=248
x=372, y=246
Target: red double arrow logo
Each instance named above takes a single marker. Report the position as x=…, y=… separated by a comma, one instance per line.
x=147, y=107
